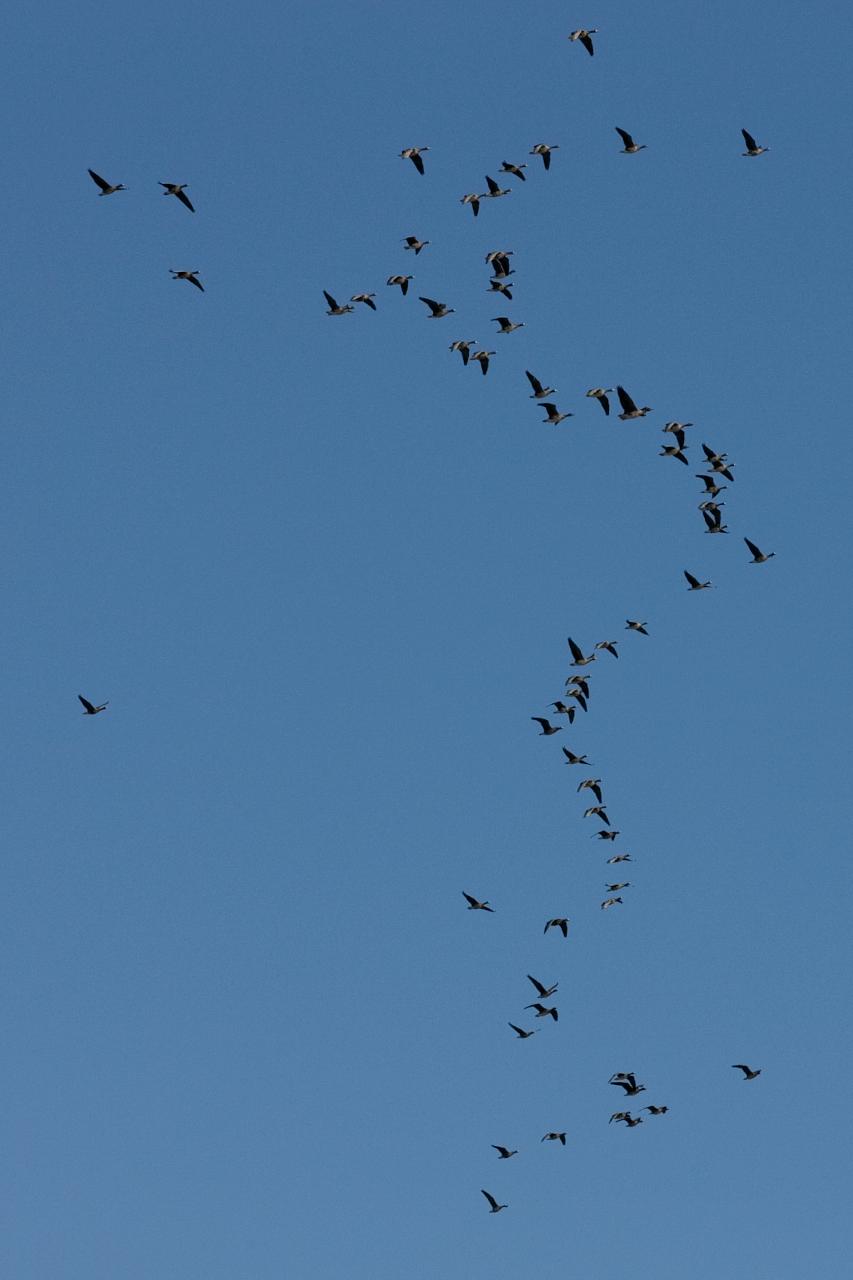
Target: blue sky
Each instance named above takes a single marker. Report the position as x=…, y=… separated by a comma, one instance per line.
x=325, y=575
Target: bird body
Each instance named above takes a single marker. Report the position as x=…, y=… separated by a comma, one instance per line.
x=366, y=298
x=514, y=169
x=578, y=657
x=463, y=346
x=631, y=147
x=520, y=1032
x=506, y=325
x=629, y=408
x=542, y=1011
x=412, y=242
x=554, y=1137
x=694, y=584
x=334, y=308
x=89, y=708
x=632, y=625
x=473, y=199
x=609, y=902
x=539, y=392
x=752, y=147
x=483, y=357
x=495, y=190
x=758, y=557
x=474, y=904
x=600, y=394
x=504, y=1153
x=543, y=991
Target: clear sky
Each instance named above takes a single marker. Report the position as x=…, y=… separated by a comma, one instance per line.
x=325, y=575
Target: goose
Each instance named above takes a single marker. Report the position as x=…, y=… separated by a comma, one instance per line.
x=629, y=409
x=89, y=708
x=412, y=242
x=543, y=991
x=554, y=1137
x=494, y=254
x=177, y=189
x=713, y=520
x=402, y=281
x=632, y=625
x=582, y=682
x=758, y=557
x=571, y=758
x=600, y=394
x=614, y=888
x=463, y=346
x=619, y=1115
x=501, y=286
x=710, y=484
x=553, y=416
x=544, y=150
x=597, y=811
x=504, y=1153
x=474, y=200
x=710, y=505
x=593, y=785
x=633, y=1121
x=584, y=36
x=619, y=857
x=414, y=154
x=514, y=169
x=608, y=645
x=631, y=147
x=192, y=276
x=655, y=1111
x=474, y=904
x=542, y=1011
x=539, y=392
x=627, y=1081
x=496, y=1208
x=748, y=1073
x=752, y=147
x=674, y=451
x=547, y=727
x=578, y=657
x=719, y=462
x=438, y=310
x=609, y=902
x=676, y=426
x=106, y=189
x=495, y=190
x=578, y=696
x=483, y=357
x=693, y=584
x=606, y=835
x=520, y=1032
x=366, y=298
x=501, y=268
x=563, y=710
x=334, y=309
x=506, y=325
x=559, y=922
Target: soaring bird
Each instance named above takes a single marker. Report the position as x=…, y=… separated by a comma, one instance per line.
x=676, y=427
x=631, y=147
x=542, y=1011
x=520, y=1032
x=598, y=811
x=474, y=904
x=402, y=281
x=559, y=922
x=619, y=857
x=578, y=657
x=496, y=1208
x=758, y=557
x=547, y=727
x=593, y=785
x=674, y=451
x=578, y=695
x=552, y=414
x=506, y=325
x=584, y=36
x=609, y=902
x=192, y=276
x=600, y=394
x=89, y=708
x=694, y=584
x=544, y=150
x=178, y=189
x=334, y=309
x=571, y=758
x=629, y=408
x=106, y=189
x=504, y=1153
x=539, y=392
x=563, y=710
x=710, y=484
x=748, y=1073
x=495, y=190
x=632, y=625
x=366, y=298
x=608, y=645
x=554, y=1137
x=627, y=1081
x=514, y=169
x=483, y=357
x=473, y=199
x=752, y=147
x=438, y=310
x=412, y=242
x=543, y=991
x=414, y=154
x=463, y=346
x=655, y=1111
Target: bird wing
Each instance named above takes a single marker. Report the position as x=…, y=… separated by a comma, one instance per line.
x=605, y=404
x=417, y=162
x=433, y=306
x=87, y=704
x=546, y=159
x=538, y=985
x=534, y=382
x=577, y=653
x=564, y=926
x=330, y=300
x=753, y=548
x=546, y=724
x=694, y=582
x=626, y=137
x=96, y=178
x=587, y=44
x=492, y=185
x=518, y=1030
x=198, y=284
x=184, y=199
x=468, y=898
x=491, y=1199
x=747, y=137
x=625, y=400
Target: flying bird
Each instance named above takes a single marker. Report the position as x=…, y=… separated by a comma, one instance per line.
x=553, y=417
x=748, y=1073
x=655, y=1111
x=606, y=835
x=412, y=242
x=496, y=1208
x=579, y=660
x=608, y=645
x=752, y=147
x=414, y=154
x=473, y=199
x=89, y=708
x=554, y=1137
x=474, y=904
x=598, y=811
x=502, y=287
x=632, y=625
x=629, y=408
x=571, y=758
x=614, y=888
x=674, y=451
x=600, y=394
x=520, y=1032
x=627, y=1081
x=544, y=150
x=178, y=189
x=334, y=309
x=619, y=857
x=563, y=710
x=584, y=36
x=514, y=169
x=437, y=309
x=559, y=922
x=506, y=325
x=542, y=1011
x=366, y=298
x=619, y=1115
x=609, y=902
x=694, y=584
x=631, y=147
x=547, y=727
x=463, y=346
x=192, y=276
x=402, y=281
x=713, y=519
x=593, y=785
x=758, y=557
x=504, y=1153
x=495, y=190
x=106, y=189
x=483, y=357
x=542, y=990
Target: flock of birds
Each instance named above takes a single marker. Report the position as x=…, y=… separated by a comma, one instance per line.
x=576, y=693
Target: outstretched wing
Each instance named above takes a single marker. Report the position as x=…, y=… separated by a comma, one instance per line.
x=625, y=400
x=626, y=137
x=184, y=199
x=87, y=704
x=96, y=178
x=751, y=144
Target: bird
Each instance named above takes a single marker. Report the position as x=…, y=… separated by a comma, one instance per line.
x=748, y=1073
x=578, y=696
x=584, y=36
x=619, y=857
x=539, y=392
x=504, y=1153
x=438, y=310
x=553, y=416
x=674, y=451
x=600, y=394
x=542, y=1011
x=506, y=325
x=629, y=409
x=614, y=888
x=543, y=991
x=752, y=147
x=633, y=1121
x=192, y=276
x=608, y=645
x=496, y=1208
x=593, y=785
x=582, y=683
x=655, y=1111
x=627, y=1081
x=544, y=150
x=676, y=426
x=89, y=708
x=631, y=147
x=563, y=710
x=609, y=902
x=501, y=286
x=463, y=346
x=334, y=309
x=571, y=758
x=501, y=267
x=598, y=811
x=547, y=727
x=514, y=169
x=414, y=154
x=106, y=189
x=579, y=660
x=177, y=189
x=713, y=520
x=483, y=357
x=719, y=463
x=473, y=199
x=494, y=254
x=412, y=242
x=474, y=904
x=366, y=298
x=694, y=584
x=758, y=557
x=402, y=281
x=559, y=922
x=554, y=1137
x=619, y=1115
x=495, y=190
x=632, y=625
x=520, y=1032
x=710, y=484
x=606, y=835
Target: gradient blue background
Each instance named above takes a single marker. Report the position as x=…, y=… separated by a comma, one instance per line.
x=325, y=575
